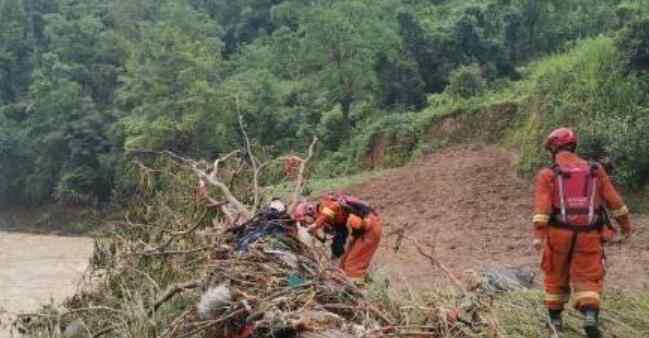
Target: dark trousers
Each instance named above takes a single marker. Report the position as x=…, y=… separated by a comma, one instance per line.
x=338, y=244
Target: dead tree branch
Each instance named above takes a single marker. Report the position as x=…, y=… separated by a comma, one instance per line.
x=203, y=175
x=299, y=184
x=253, y=160
x=217, y=162
x=173, y=237
x=147, y=170
x=435, y=262
x=172, y=291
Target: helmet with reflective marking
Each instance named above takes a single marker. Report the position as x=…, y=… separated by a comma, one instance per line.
x=560, y=138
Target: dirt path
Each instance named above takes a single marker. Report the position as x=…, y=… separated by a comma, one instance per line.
x=470, y=203
x=37, y=269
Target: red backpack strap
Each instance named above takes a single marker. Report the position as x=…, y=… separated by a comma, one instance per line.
x=593, y=205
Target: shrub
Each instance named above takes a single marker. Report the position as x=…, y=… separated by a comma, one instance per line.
x=589, y=90
x=466, y=81
x=633, y=42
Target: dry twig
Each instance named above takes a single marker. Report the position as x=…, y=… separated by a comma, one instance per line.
x=299, y=185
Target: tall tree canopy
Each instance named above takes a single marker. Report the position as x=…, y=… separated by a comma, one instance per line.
x=81, y=82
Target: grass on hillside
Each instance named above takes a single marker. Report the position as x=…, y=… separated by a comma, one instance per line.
x=519, y=314
x=625, y=315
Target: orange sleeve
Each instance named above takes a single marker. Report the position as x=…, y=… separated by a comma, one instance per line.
x=326, y=214
x=356, y=223
x=544, y=189
x=614, y=202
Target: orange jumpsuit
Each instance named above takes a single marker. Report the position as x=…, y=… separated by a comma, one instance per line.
x=357, y=258
x=577, y=266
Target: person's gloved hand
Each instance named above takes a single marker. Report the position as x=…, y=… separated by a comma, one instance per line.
x=538, y=243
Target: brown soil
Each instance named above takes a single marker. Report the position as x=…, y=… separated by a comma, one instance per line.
x=469, y=202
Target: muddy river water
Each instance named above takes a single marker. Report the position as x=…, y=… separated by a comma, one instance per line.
x=36, y=269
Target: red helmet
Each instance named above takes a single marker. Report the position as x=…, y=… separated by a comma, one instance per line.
x=559, y=138
x=304, y=210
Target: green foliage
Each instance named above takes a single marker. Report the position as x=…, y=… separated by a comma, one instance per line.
x=169, y=81
x=634, y=44
x=81, y=83
x=400, y=83
x=466, y=81
x=589, y=90
x=15, y=41
x=341, y=43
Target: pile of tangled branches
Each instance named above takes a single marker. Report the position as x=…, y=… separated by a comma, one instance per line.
x=188, y=266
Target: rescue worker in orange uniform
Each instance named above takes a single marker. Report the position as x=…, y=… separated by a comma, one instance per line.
x=339, y=213
x=570, y=225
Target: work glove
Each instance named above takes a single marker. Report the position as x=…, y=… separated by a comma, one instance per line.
x=538, y=244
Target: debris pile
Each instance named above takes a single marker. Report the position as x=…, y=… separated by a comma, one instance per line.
x=179, y=267
x=264, y=282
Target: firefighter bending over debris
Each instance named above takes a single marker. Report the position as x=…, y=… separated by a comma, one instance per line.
x=345, y=215
x=571, y=223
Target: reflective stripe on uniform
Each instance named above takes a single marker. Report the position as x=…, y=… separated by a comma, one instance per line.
x=623, y=211
x=586, y=294
x=541, y=218
x=559, y=298
x=329, y=213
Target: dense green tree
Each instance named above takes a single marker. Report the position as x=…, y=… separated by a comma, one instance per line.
x=15, y=50
x=168, y=87
x=400, y=82
x=634, y=44
x=16, y=160
x=341, y=43
x=83, y=81
x=82, y=40
x=67, y=133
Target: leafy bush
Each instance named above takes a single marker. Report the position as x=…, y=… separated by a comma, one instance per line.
x=588, y=89
x=466, y=81
x=397, y=134
x=634, y=44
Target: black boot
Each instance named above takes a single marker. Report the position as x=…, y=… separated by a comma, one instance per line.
x=556, y=324
x=591, y=323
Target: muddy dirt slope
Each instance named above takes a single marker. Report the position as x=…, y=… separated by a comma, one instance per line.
x=469, y=202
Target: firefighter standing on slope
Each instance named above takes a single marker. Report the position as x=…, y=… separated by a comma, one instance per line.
x=571, y=223
x=345, y=215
